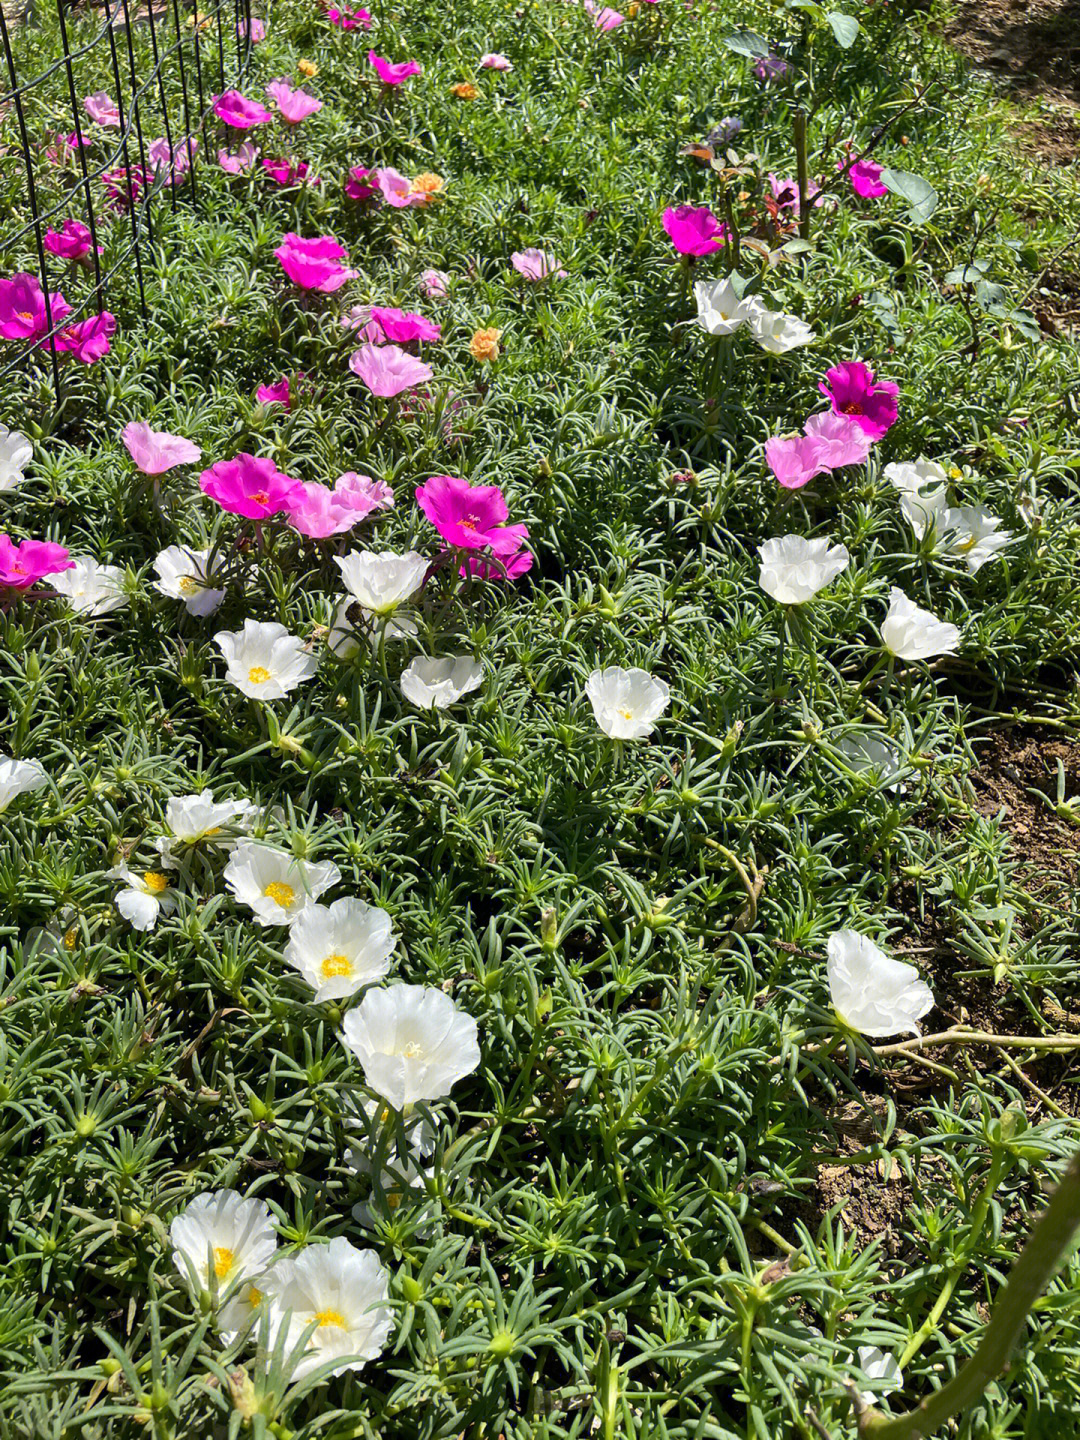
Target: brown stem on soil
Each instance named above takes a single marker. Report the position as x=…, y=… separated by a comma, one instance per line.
x=962, y=1035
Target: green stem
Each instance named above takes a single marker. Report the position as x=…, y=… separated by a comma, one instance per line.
x=803, y=172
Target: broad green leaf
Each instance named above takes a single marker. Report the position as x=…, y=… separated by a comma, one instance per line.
x=919, y=193
x=844, y=27
x=747, y=42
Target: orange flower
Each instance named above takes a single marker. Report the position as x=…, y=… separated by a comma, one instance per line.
x=465, y=91
x=307, y=67
x=428, y=184
x=484, y=345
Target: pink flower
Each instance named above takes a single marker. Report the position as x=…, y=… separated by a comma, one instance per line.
x=853, y=392
x=358, y=186
x=88, y=340
x=289, y=172
x=841, y=441
x=786, y=193
x=865, y=178
x=436, y=284
x=393, y=73
x=509, y=567
x=358, y=318
x=349, y=19
x=401, y=326
x=694, y=230
x=242, y=114
x=22, y=308
x=71, y=242
x=313, y=264
x=536, y=265
x=795, y=460
x=155, y=451
x=247, y=486
x=317, y=511
x=236, y=162
x=124, y=186
x=25, y=561
x=387, y=370
x=102, y=109
x=494, y=61
x=258, y=30
x=469, y=517
x=603, y=17
x=65, y=147
x=178, y=161
x=279, y=393
x=293, y=105
x=396, y=189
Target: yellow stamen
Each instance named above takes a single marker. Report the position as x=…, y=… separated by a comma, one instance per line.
x=280, y=893
x=255, y=1297
x=626, y=714
x=71, y=938
x=258, y=675
x=188, y=585
x=223, y=1261
x=155, y=882
x=330, y=1317
x=335, y=965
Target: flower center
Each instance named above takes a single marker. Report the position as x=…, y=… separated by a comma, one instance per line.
x=853, y=407
x=71, y=938
x=963, y=545
x=261, y=497
x=469, y=522
x=255, y=1297
x=280, y=893
x=411, y=1050
x=393, y=1199
x=188, y=585
x=26, y=315
x=258, y=675
x=223, y=1261
x=626, y=714
x=330, y=1317
x=335, y=965
x=155, y=882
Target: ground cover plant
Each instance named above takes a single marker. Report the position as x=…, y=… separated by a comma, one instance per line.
x=529, y=680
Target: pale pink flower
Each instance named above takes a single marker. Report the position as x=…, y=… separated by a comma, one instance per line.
x=319, y=511
x=293, y=105
x=238, y=161
x=258, y=30
x=840, y=440
x=102, y=109
x=387, y=370
x=436, y=284
x=155, y=451
x=494, y=61
x=604, y=18
x=536, y=265
x=396, y=189
x=795, y=460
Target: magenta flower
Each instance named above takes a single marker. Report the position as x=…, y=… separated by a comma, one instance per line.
x=280, y=392
x=247, y=486
x=865, y=178
x=23, y=562
x=494, y=61
x=401, y=326
x=102, y=109
x=289, y=172
x=387, y=370
x=293, y=105
x=436, y=284
x=469, y=517
x=396, y=189
x=841, y=441
x=391, y=72
x=694, y=230
x=509, y=567
x=359, y=186
x=22, y=308
x=124, y=185
x=88, y=340
x=536, y=265
x=155, y=451
x=795, y=460
x=65, y=147
x=258, y=30
x=604, y=18
x=72, y=241
x=313, y=264
x=319, y=511
x=236, y=162
x=853, y=392
x=350, y=19
x=785, y=192
x=242, y=114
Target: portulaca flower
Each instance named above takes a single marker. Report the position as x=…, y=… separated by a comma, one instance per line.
x=774, y=331
x=91, y=589
x=273, y=884
x=222, y=1233
x=343, y=1291
x=418, y=1126
x=412, y=1042
x=794, y=569
x=401, y=1180
x=877, y=755
x=263, y=660
x=19, y=777
x=915, y=634
x=193, y=819
x=144, y=896
x=379, y=583
x=438, y=683
x=340, y=947
x=182, y=576
x=885, y=1369
x=870, y=991
x=719, y=309
x=626, y=703
x=16, y=453
x=344, y=635
x=965, y=532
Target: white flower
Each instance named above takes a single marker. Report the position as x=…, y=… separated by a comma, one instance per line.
x=774, y=331
x=873, y=754
x=871, y=992
x=182, y=576
x=233, y=1237
x=967, y=532
x=379, y=583
x=923, y=487
x=400, y=1180
x=90, y=588
x=626, y=703
x=418, y=1126
x=343, y=1291
x=876, y=1365
x=144, y=896
x=275, y=885
x=16, y=453
x=340, y=947
x=264, y=660
x=438, y=683
x=343, y=638
x=19, y=777
x=195, y=818
x=915, y=634
x=413, y=1043
x=793, y=569
x=719, y=309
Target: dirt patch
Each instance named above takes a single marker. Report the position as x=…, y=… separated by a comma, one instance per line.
x=1036, y=45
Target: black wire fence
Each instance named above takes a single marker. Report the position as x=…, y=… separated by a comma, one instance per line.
x=102, y=120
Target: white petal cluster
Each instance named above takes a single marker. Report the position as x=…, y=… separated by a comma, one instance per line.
x=183, y=575
x=439, y=683
x=274, y=885
x=264, y=661
x=626, y=703
x=91, y=589
x=912, y=633
x=340, y=948
x=19, y=777
x=794, y=569
x=870, y=991
x=412, y=1042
